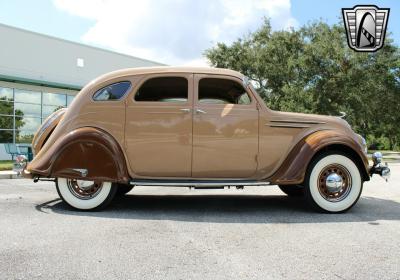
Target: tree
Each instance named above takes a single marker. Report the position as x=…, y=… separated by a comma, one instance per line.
x=312, y=70
x=7, y=120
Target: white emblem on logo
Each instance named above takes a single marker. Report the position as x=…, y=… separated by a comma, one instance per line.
x=365, y=27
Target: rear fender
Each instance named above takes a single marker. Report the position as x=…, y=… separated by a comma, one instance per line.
x=86, y=153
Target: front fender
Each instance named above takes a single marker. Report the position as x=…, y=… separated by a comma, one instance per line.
x=85, y=153
x=294, y=167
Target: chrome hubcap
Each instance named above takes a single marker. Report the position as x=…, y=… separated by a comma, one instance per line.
x=334, y=183
x=84, y=189
x=84, y=184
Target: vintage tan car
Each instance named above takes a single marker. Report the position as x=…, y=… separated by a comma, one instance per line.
x=198, y=128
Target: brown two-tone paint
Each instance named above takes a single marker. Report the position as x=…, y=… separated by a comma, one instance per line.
x=85, y=149
x=123, y=140
x=43, y=134
x=293, y=169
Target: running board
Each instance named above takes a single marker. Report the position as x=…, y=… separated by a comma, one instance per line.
x=196, y=183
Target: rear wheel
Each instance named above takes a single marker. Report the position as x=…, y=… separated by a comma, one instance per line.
x=85, y=195
x=333, y=183
x=292, y=190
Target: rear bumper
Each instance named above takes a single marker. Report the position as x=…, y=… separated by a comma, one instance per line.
x=26, y=174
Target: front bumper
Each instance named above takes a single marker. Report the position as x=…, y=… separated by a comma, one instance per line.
x=378, y=167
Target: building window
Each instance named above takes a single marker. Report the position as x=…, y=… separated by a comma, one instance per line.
x=69, y=99
x=27, y=114
x=27, y=109
x=23, y=111
x=28, y=96
x=6, y=115
x=24, y=136
x=6, y=136
x=6, y=94
x=53, y=102
x=54, y=99
x=6, y=108
x=7, y=122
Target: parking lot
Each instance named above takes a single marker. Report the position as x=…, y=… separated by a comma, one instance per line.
x=173, y=233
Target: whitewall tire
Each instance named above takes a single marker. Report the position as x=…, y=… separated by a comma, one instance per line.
x=85, y=195
x=333, y=183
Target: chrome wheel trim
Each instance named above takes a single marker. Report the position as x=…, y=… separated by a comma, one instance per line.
x=334, y=183
x=84, y=189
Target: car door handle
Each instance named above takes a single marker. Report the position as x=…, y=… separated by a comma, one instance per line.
x=199, y=111
x=185, y=110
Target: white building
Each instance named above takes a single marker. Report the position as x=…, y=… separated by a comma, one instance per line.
x=40, y=73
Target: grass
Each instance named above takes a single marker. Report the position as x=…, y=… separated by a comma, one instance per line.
x=6, y=165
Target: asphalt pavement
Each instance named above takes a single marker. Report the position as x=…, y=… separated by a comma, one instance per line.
x=175, y=233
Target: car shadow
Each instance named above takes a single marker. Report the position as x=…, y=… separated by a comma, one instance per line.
x=229, y=209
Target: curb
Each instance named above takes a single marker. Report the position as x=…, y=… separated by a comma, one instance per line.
x=9, y=175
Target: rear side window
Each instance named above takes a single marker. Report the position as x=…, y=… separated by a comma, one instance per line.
x=112, y=92
x=163, y=89
x=222, y=91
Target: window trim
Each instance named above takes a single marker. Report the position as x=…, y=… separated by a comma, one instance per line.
x=110, y=84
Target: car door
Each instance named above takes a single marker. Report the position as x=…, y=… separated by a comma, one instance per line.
x=225, y=128
x=158, y=132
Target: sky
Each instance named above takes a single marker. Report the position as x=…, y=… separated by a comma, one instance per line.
x=174, y=32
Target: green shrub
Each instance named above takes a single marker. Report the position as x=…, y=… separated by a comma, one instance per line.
x=378, y=143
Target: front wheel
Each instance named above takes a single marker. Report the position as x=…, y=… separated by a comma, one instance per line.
x=85, y=195
x=333, y=183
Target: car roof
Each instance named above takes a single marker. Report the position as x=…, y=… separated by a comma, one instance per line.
x=165, y=69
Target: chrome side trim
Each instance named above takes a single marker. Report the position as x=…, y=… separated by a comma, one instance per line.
x=196, y=183
x=288, y=125
x=292, y=123
x=185, y=110
x=200, y=111
x=82, y=172
x=297, y=121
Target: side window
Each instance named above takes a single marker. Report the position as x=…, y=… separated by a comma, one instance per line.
x=112, y=92
x=222, y=91
x=163, y=89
